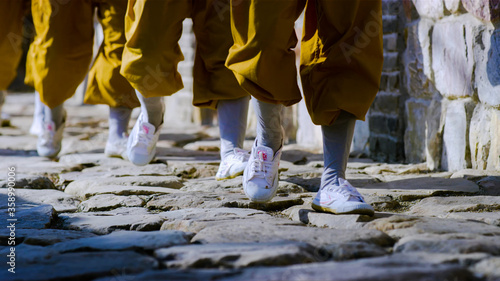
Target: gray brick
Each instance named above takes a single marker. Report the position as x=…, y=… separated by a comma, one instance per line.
x=390, y=24
x=390, y=61
x=387, y=103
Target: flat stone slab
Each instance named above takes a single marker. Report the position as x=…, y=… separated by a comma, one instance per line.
x=480, y=208
x=119, y=190
x=237, y=255
x=306, y=215
x=107, y=222
x=177, y=274
x=42, y=237
x=492, y=218
x=173, y=154
x=473, y=174
x=105, y=202
x=433, y=186
x=125, y=171
x=59, y=200
x=80, y=266
x=193, y=170
x=399, y=226
x=393, y=267
x=490, y=186
x=31, y=182
x=33, y=216
x=351, y=251
x=36, y=166
x=204, y=145
x=92, y=159
x=146, y=185
x=449, y=244
x=12, y=141
x=126, y=240
x=398, y=169
x=255, y=231
x=196, y=219
x=489, y=268
x=212, y=185
x=215, y=200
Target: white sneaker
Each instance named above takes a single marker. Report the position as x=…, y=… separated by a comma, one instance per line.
x=343, y=199
x=141, y=145
x=49, y=140
x=233, y=165
x=260, y=178
x=117, y=147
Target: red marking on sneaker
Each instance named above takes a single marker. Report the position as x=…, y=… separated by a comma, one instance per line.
x=49, y=127
x=146, y=129
x=262, y=155
x=327, y=201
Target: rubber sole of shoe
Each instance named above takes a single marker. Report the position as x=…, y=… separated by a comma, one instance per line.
x=230, y=176
x=271, y=196
x=114, y=155
x=355, y=211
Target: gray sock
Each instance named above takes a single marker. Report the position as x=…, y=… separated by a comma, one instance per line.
x=38, y=110
x=337, y=140
x=55, y=114
x=269, y=128
x=232, y=117
x=152, y=108
x=119, y=118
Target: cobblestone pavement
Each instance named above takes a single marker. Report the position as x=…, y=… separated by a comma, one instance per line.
x=86, y=217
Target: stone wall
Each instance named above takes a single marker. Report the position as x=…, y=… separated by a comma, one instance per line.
x=387, y=115
x=451, y=73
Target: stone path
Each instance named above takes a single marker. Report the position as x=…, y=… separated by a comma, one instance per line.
x=88, y=217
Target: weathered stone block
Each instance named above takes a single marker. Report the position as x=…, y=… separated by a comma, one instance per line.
x=484, y=138
x=452, y=55
x=386, y=149
x=452, y=6
x=386, y=102
x=416, y=111
x=391, y=7
x=390, y=61
x=389, y=81
x=456, y=154
x=390, y=24
x=487, y=57
x=390, y=42
x=433, y=9
x=390, y=125
x=486, y=10
x=434, y=124
x=417, y=59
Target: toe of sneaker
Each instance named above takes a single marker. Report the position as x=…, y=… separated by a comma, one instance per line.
x=356, y=208
x=139, y=159
x=48, y=152
x=259, y=191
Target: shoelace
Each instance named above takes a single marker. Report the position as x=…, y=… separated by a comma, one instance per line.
x=143, y=138
x=260, y=169
x=347, y=191
x=47, y=136
x=241, y=155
